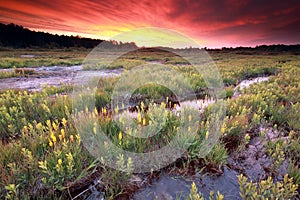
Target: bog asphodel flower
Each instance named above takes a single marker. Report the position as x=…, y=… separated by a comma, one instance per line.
x=144, y=121
x=78, y=139
x=190, y=118
x=116, y=109
x=71, y=138
x=59, y=161
x=62, y=131
x=223, y=129
x=120, y=135
x=53, y=138
x=104, y=111
x=139, y=118
x=25, y=129
x=95, y=128
x=54, y=126
x=64, y=122
x=96, y=111
x=206, y=134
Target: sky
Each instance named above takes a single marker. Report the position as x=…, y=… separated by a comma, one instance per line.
x=211, y=23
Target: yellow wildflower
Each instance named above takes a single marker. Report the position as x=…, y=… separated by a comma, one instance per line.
x=12, y=186
x=62, y=131
x=78, y=139
x=116, y=109
x=25, y=129
x=64, y=122
x=95, y=128
x=53, y=138
x=59, y=162
x=144, y=122
x=48, y=122
x=54, y=126
x=139, y=117
x=207, y=134
x=120, y=135
x=104, y=111
x=51, y=144
x=96, y=111
x=43, y=165
x=71, y=138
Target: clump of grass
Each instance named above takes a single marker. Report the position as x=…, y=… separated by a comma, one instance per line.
x=217, y=157
x=119, y=63
x=229, y=92
x=24, y=71
x=7, y=74
x=115, y=180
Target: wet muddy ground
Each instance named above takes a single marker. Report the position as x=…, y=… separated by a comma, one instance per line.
x=52, y=76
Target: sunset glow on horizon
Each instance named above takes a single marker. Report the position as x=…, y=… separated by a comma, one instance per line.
x=213, y=24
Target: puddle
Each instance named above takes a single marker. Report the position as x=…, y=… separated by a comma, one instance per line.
x=199, y=104
x=247, y=83
x=52, y=76
x=27, y=56
x=172, y=187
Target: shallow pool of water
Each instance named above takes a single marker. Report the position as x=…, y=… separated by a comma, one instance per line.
x=52, y=76
x=172, y=187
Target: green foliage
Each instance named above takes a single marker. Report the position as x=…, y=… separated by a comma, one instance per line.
x=276, y=150
x=266, y=189
x=115, y=180
x=49, y=155
x=217, y=157
x=19, y=108
x=229, y=92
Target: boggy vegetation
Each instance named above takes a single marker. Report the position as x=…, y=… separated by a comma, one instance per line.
x=42, y=155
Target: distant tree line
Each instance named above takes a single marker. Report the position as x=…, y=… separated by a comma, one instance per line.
x=16, y=36
x=268, y=48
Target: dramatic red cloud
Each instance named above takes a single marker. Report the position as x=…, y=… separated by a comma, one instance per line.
x=212, y=23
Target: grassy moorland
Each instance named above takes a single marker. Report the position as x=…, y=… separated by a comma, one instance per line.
x=40, y=57
x=42, y=155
